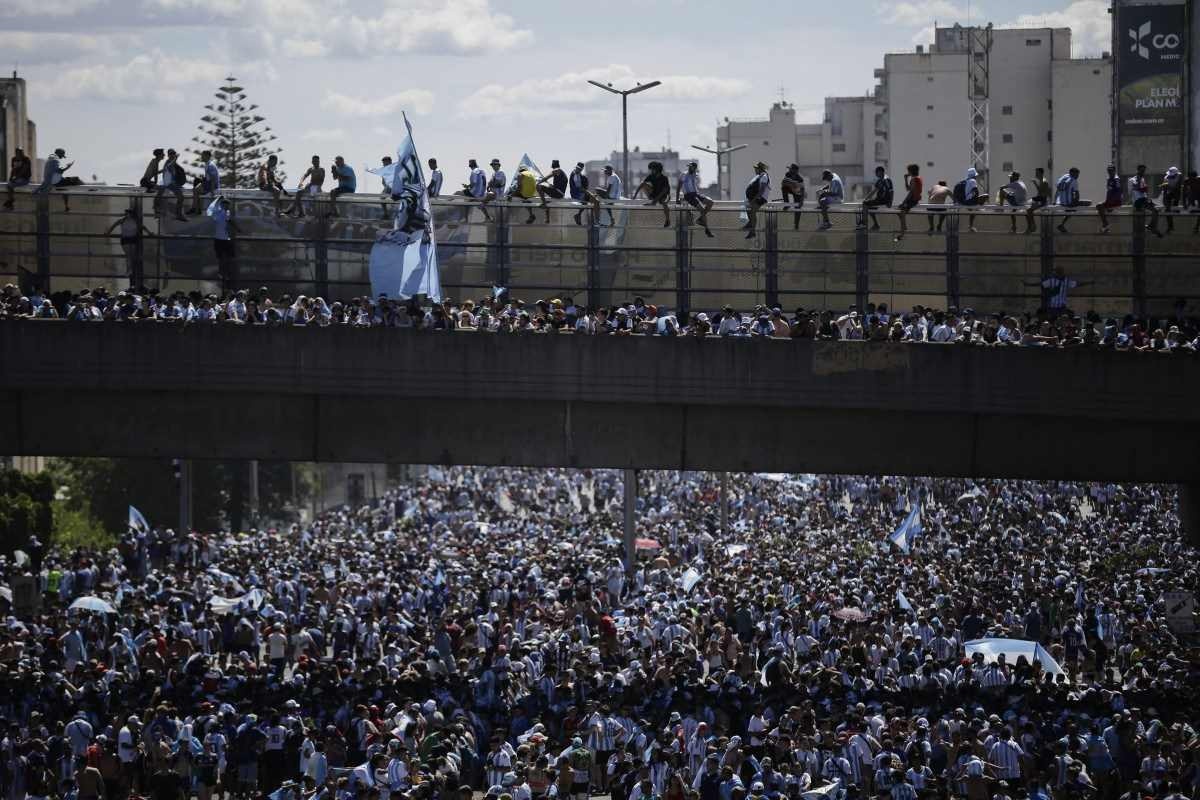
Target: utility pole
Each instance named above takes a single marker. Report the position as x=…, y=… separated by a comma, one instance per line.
x=718, y=153
x=641, y=87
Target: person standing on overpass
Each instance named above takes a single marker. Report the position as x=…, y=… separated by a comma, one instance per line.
x=1055, y=289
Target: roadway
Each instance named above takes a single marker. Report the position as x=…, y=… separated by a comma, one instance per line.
x=374, y=395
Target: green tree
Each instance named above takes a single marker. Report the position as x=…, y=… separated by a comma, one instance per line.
x=25, y=509
x=238, y=137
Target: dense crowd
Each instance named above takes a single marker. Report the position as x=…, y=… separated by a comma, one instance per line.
x=476, y=630
x=498, y=312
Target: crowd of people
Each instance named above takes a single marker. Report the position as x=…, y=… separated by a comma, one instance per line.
x=1054, y=325
x=476, y=631
x=1176, y=192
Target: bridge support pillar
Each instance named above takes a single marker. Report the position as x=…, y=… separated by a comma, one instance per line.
x=630, y=528
x=1189, y=512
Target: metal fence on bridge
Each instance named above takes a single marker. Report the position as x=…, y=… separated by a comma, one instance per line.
x=787, y=262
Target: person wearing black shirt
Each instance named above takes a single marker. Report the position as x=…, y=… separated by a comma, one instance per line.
x=20, y=172
x=552, y=186
x=881, y=195
x=658, y=190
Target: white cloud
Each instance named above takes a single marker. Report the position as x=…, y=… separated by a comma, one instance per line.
x=47, y=8
x=419, y=101
x=304, y=48
x=27, y=47
x=1089, y=21
x=324, y=134
x=921, y=13
x=153, y=76
x=571, y=90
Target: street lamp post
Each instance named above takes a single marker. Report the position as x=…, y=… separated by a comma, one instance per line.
x=718, y=153
x=641, y=87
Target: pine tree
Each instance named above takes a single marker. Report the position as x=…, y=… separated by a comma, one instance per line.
x=238, y=138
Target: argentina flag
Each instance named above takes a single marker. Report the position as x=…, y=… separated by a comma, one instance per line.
x=403, y=261
x=908, y=530
x=137, y=522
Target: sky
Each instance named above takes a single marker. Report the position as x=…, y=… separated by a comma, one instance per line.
x=110, y=80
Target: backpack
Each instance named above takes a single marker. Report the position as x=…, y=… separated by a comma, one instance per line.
x=752, y=189
x=960, y=193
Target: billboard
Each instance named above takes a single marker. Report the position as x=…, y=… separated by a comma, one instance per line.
x=1152, y=45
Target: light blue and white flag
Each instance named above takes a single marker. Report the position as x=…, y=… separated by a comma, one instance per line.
x=137, y=522
x=909, y=529
x=526, y=161
x=403, y=260
x=902, y=601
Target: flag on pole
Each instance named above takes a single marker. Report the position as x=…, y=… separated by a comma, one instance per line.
x=137, y=522
x=403, y=260
x=909, y=529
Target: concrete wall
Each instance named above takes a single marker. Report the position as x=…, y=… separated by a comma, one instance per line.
x=383, y=395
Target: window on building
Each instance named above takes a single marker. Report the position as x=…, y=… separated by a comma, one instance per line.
x=766, y=143
x=1007, y=166
x=1006, y=111
x=929, y=163
x=929, y=136
x=1049, y=136
x=839, y=148
x=929, y=108
x=1033, y=42
x=930, y=79
x=1007, y=138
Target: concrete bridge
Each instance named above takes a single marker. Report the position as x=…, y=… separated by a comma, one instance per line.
x=344, y=394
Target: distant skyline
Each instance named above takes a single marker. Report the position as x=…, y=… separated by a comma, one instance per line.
x=109, y=80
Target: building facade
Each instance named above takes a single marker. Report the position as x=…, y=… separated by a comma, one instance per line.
x=16, y=129
x=1043, y=109
x=851, y=140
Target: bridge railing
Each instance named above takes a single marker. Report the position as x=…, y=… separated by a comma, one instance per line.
x=786, y=261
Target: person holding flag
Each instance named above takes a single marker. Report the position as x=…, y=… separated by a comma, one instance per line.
x=908, y=530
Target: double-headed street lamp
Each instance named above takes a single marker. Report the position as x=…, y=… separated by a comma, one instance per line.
x=641, y=87
x=718, y=153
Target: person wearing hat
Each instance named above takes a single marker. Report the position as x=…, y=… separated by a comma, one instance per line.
x=658, y=190
x=794, y=191
x=689, y=185
x=550, y=187
x=496, y=187
x=53, y=176
x=758, y=190
x=580, y=193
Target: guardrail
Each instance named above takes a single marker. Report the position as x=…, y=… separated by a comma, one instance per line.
x=785, y=262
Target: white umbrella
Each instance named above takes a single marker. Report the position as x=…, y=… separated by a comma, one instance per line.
x=93, y=603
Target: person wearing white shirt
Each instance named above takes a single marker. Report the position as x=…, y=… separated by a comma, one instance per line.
x=610, y=189
x=689, y=186
x=832, y=193
x=1139, y=195
x=1066, y=194
x=1014, y=194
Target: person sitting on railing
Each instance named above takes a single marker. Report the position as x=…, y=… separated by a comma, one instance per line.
x=1066, y=195
x=939, y=195
x=1139, y=193
x=315, y=177
x=208, y=183
x=689, y=186
x=881, y=194
x=1014, y=195
x=914, y=187
x=1171, y=191
x=269, y=182
x=1040, y=191
x=658, y=190
x=347, y=183
x=967, y=193
x=832, y=193
x=53, y=176
x=1113, y=197
x=758, y=191
x=550, y=187
x=611, y=190
x=794, y=192
x=20, y=173
x=496, y=187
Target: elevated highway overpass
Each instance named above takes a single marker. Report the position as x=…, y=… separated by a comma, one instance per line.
x=374, y=395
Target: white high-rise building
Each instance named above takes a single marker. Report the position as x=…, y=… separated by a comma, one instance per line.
x=1044, y=109
x=16, y=129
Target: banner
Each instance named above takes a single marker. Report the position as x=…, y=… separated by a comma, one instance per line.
x=1151, y=60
